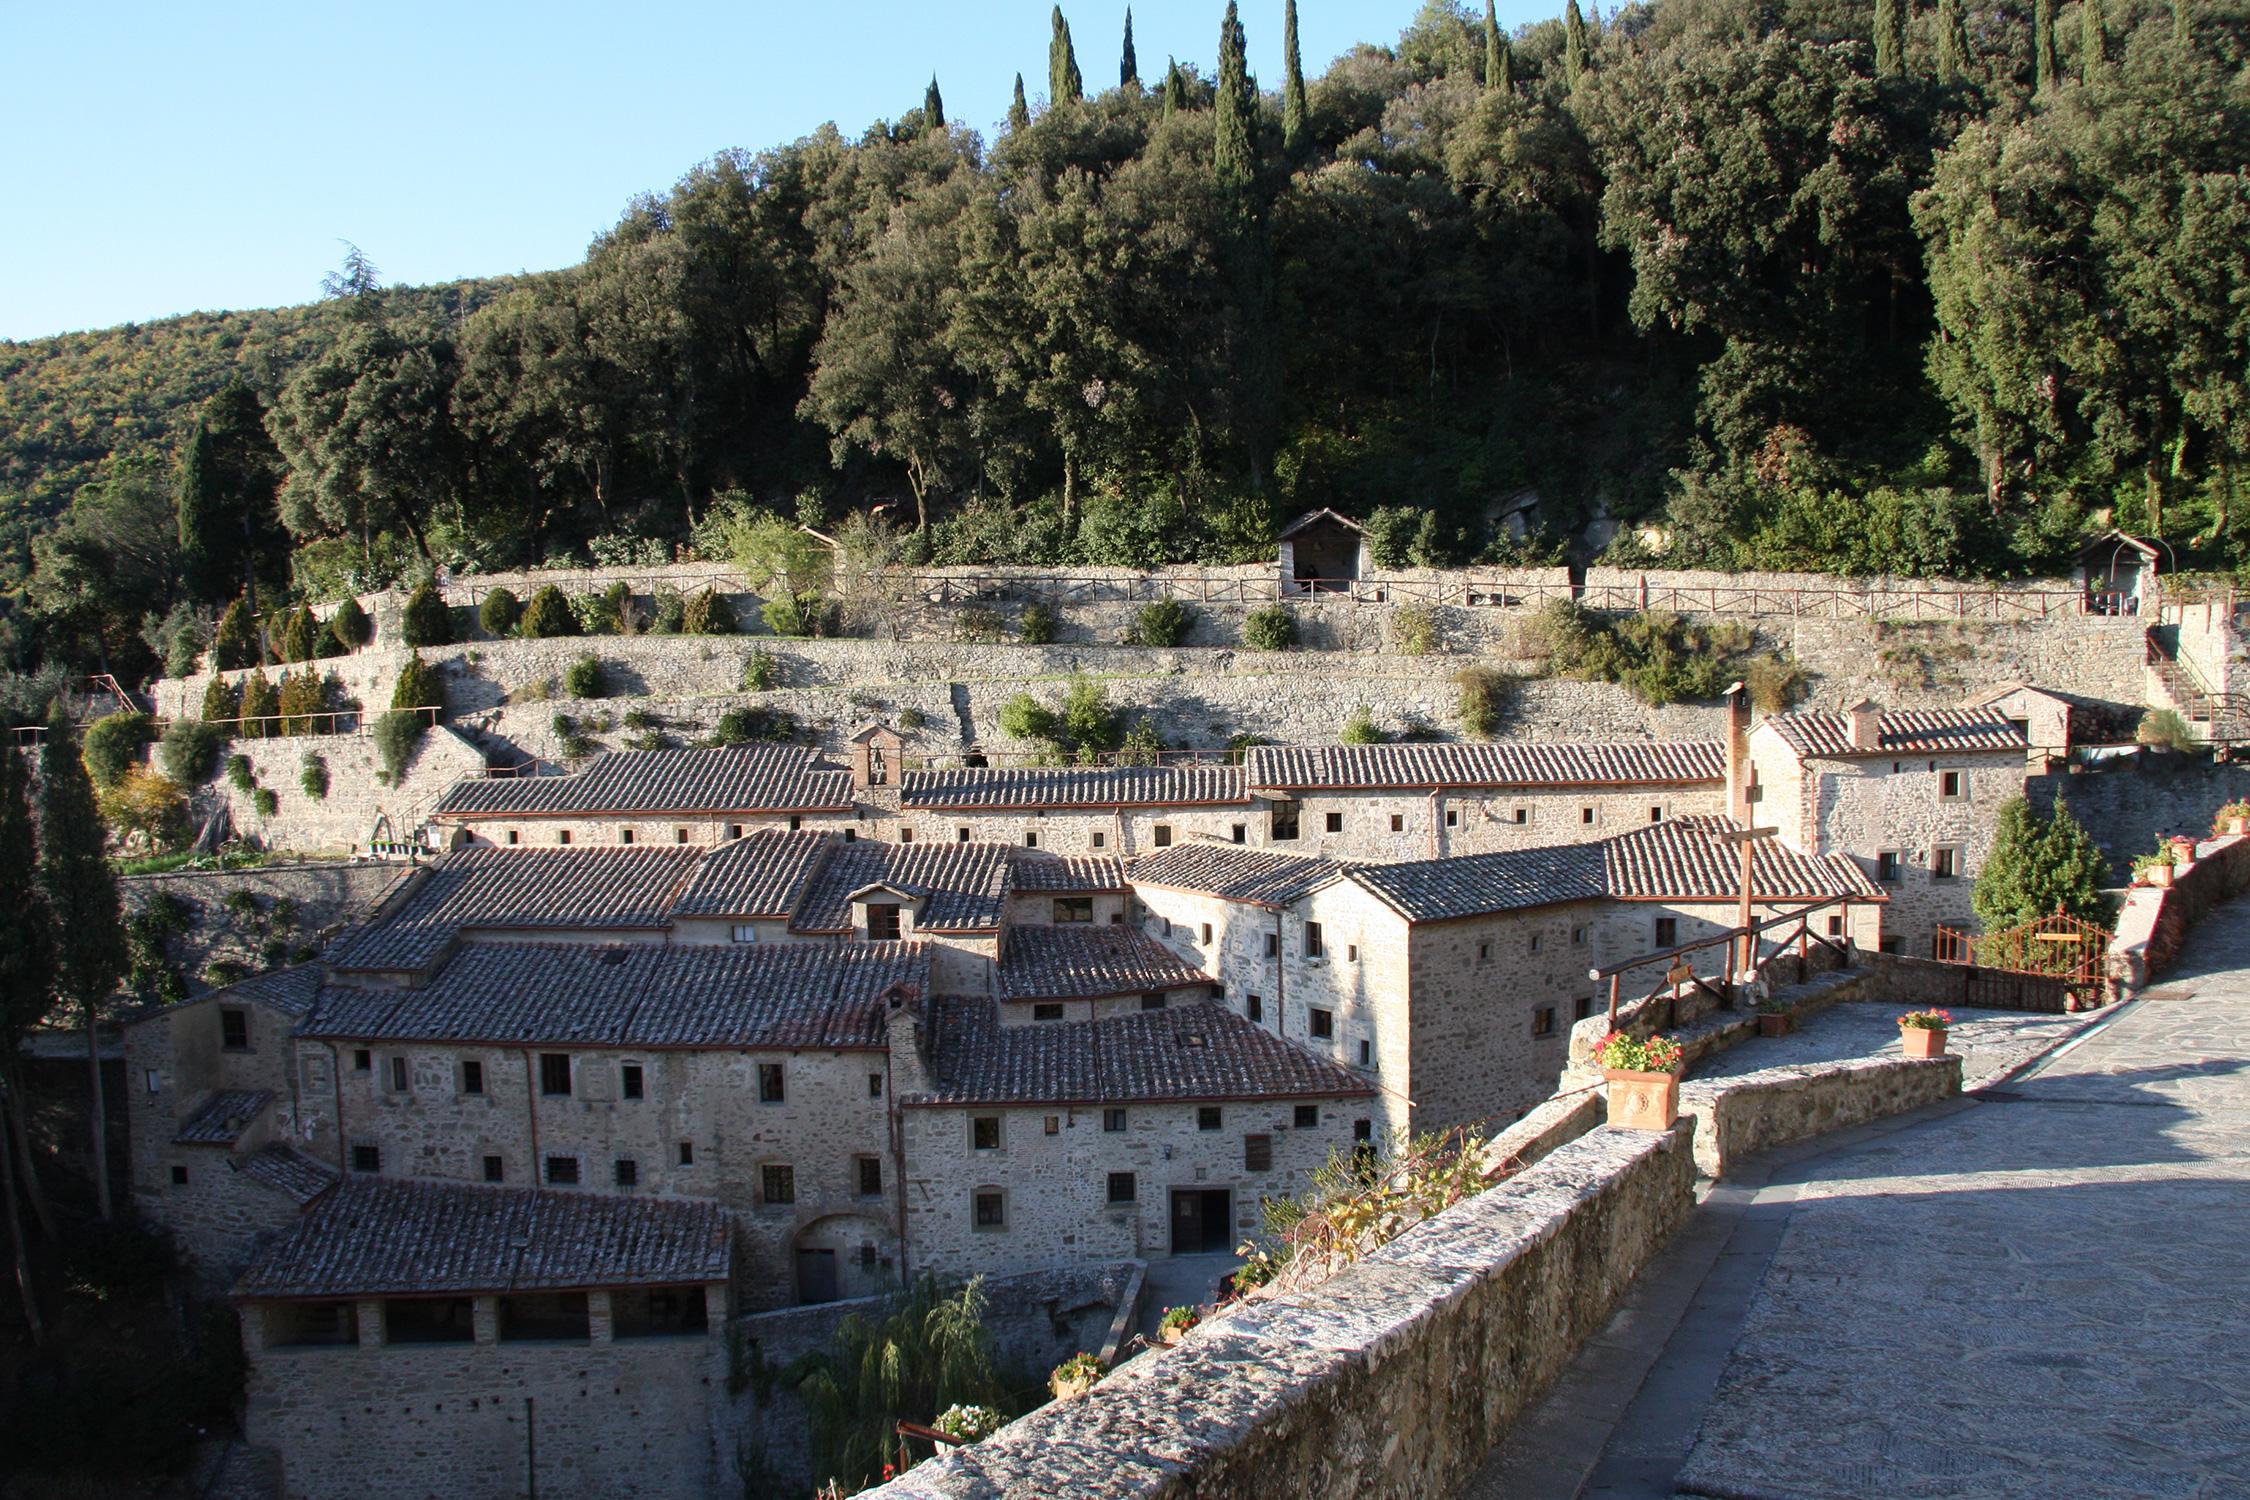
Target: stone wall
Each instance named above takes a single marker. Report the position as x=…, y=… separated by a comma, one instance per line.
x=2154, y=923
x=2129, y=802
x=325, y=895
x=1395, y=1377
x=1752, y=1112
x=357, y=803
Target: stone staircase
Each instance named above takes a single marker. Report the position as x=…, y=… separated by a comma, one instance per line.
x=2218, y=716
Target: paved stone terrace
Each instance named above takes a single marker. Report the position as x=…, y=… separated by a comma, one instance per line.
x=2031, y=1292
x=1992, y=1043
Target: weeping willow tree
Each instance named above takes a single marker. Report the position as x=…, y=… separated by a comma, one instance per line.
x=929, y=1352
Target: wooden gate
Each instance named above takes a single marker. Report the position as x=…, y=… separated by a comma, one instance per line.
x=2045, y=964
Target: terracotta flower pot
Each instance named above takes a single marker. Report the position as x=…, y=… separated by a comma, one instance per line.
x=1171, y=1335
x=2159, y=876
x=2238, y=825
x=1070, y=1389
x=1776, y=1024
x=1922, y=1041
x=1642, y=1101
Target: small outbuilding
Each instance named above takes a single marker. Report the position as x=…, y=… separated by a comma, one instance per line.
x=2117, y=571
x=1323, y=551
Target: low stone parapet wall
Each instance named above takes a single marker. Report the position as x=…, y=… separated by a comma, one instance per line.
x=2154, y=923
x=1395, y=1377
x=1755, y=1111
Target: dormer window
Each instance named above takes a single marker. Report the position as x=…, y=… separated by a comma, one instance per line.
x=882, y=922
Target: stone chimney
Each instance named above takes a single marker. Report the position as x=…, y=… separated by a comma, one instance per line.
x=909, y=1047
x=1738, y=752
x=1867, y=725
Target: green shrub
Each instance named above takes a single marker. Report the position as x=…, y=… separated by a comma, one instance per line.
x=261, y=708
x=1414, y=630
x=418, y=686
x=299, y=632
x=1484, y=701
x=1162, y=623
x=235, y=643
x=617, y=607
x=113, y=745
x=190, y=751
x=743, y=726
x=1775, y=682
x=574, y=742
x=499, y=612
x=667, y=611
x=426, y=621
x=798, y=614
x=1024, y=717
x=760, y=673
x=1658, y=656
x=398, y=735
x=978, y=625
x=547, y=616
x=1271, y=628
x=300, y=700
x=641, y=718
x=584, y=678
x=911, y=719
x=1035, y=626
x=222, y=701
x=349, y=626
x=312, y=775
x=239, y=774
x=2166, y=729
x=1360, y=728
x=264, y=800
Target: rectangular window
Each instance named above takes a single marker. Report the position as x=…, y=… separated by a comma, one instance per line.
x=1953, y=786
x=777, y=1184
x=514, y=837
x=905, y=835
x=687, y=1153
x=1886, y=866
x=734, y=830
x=563, y=837
x=398, y=1075
x=1241, y=833
x=1945, y=862
x=1335, y=822
x=1072, y=909
x=1152, y=1002
x=625, y=836
x=629, y=1080
x=1031, y=839
x=1366, y=1053
x=679, y=835
x=1161, y=835
x=1521, y=816
x=1101, y=839
x=1835, y=926
x=362, y=1059
x=1047, y=1010
x=1255, y=1005
x=795, y=822
x=367, y=1158
x=1207, y=932
x=1586, y=816
x=1312, y=940
x=1307, y=1117
x=874, y=1085
x=1351, y=953
x=1583, y=1008
x=1543, y=1021
x=1113, y=1120
x=1667, y=932
x=1283, y=824
x=179, y=1177
x=882, y=922
x=743, y=932
x=626, y=1172
x=991, y=1209
x=984, y=1132
x=149, y=1080
x=554, y=1073
x=1053, y=1125
x=1453, y=817
x=562, y=1171
x=961, y=835
x=1888, y=945
x=1578, y=937
x=870, y=1176
x=851, y=835
x=1535, y=942
x=771, y=1089
x=1656, y=815
x=495, y=1170
x=472, y=1077
x=1322, y=1023
x=1273, y=945
x=1484, y=953
x=1257, y=1153
x=1208, y=1117
x=234, y=1029
x=1123, y=1187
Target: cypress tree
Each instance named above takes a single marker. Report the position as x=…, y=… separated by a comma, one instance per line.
x=1230, y=151
x=933, y=107
x=81, y=892
x=1952, y=43
x=260, y=705
x=1292, y=82
x=1064, y=85
x=1499, y=57
x=27, y=987
x=1175, y=87
x=1574, y=45
x=1019, y=113
x=2043, y=45
x=1128, y=66
x=1890, y=38
x=234, y=644
x=2183, y=27
x=207, y=556
x=2093, y=41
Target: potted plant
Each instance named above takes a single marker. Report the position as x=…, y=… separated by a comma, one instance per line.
x=2155, y=869
x=1775, y=1018
x=1922, y=1032
x=969, y=1424
x=1175, y=1323
x=1075, y=1376
x=1644, y=1080
x=2233, y=818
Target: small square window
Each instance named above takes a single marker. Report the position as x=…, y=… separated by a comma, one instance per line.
x=179, y=1177
x=362, y=1060
x=1886, y=866
x=495, y=1170
x=771, y=1089
x=626, y=1172
x=1208, y=1117
x=1888, y=945
x=991, y=1209
x=1543, y=1021
x=743, y=932
x=1322, y=1023
x=1398, y=822
x=961, y=835
x=734, y=830
x=554, y=1073
x=984, y=1132
x=1656, y=815
x=625, y=835
x=1113, y=1120
x=1101, y=839
x=1307, y=1117
x=905, y=835
x=795, y=822
x=851, y=835
x=1257, y=1153
x=1945, y=862
x=514, y=837
x=1047, y=1010
x=563, y=837
x=1667, y=932
x=1335, y=822
x=1255, y=1007
x=398, y=1075
x=687, y=1153
x=882, y=922
x=1952, y=785
x=1453, y=817
x=1578, y=937
x=679, y=835
x=777, y=1184
x=1161, y=835
x=1053, y=1125
x=629, y=1080
x=1586, y=816
x=1123, y=1187
x=1031, y=838
x=367, y=1158
x=870, y=1176
x=1241, y=833
x=472, y=1077
x=1520, y=816
x=234, y=1029
x=562, y=1171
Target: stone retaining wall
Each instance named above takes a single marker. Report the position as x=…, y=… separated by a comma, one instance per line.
x=325, y=895
x=1772, y=1107
x=2154, y=924
x=2129, y=802
x=1395, y=1377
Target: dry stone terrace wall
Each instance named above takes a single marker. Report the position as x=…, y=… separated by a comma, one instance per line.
x=325, y=894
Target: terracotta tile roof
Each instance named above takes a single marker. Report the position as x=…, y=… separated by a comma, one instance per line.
x=963, y=887
x=1261, y=877
x=288, y=1170
x=732, y=779
x=383, y=1236
x=290, y=991
x=784, y=995
x=1079, y=961
x=1038, y=874
x=1073, y=786
x=1920, y=731
x=1683, y=859
x=606, y=889
x=223, y=1118
x=1410, y=767
x=1322, y=514
x=1434, y=890
x=1187, y=1053
x=763, y=875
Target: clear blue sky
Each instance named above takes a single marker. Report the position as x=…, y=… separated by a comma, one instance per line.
x=168, y=158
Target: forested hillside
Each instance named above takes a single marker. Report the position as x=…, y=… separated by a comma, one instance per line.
x=1849, y=286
